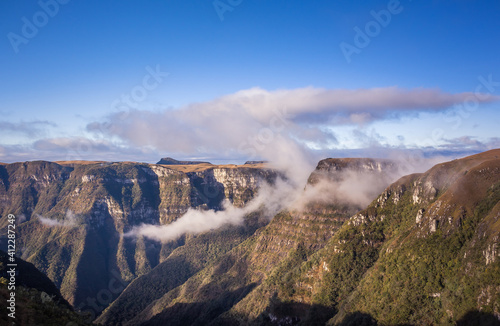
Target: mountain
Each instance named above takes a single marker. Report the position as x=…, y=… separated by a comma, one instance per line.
x=171, y=161
x=182, y=263
x=70, y=217
x=423, y=252
x=239, y=282
x=38, y=301
x=360, y=245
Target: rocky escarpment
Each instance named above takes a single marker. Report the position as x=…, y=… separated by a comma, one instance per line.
x=182, y=263
x=339, y=169
x=237, y=185
x=70, y=218
x=425, y=251
x=421, y=253
x=239, y=285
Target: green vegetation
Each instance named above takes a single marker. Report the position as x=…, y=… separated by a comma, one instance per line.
x=428, y=278
x=183, y=262
x=383, y=267
x=32, y=308
x=424, y=252
x=38, y=301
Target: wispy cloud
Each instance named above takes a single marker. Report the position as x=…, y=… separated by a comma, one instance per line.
x=68, y=143
x=69, y=221
x=34, y=128
x=280, y=126
x=269, y=201
x=349, y=187
x=256, y=116
x=75, y=148
x=464, y=145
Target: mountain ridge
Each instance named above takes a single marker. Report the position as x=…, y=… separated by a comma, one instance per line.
x=71, y=216
x=337, y=282
x=240, y=272
x=171, y=161
x=361, y=246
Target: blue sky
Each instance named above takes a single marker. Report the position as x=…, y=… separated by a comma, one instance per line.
x=220, y=78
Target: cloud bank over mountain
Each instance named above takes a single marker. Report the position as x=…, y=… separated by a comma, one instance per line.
x=281, y=126
x=249, y=124
x=256, y=115
x=70, y=220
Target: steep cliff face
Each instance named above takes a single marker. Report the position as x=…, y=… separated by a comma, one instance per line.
x=27, y=188
x=180, y=265
x=332, y=168
x=70, y=217
x=425, y=251
x=239, y=285
x=238, y=185
x=421, y=253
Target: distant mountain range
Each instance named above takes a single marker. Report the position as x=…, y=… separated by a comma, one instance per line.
x=424, y=251
x=171, y=161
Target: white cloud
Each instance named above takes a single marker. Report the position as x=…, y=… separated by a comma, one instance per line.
x=257, y=122
x=76, y=148
x=33, y=128
x=269, y=200
x=249, y=124
x=70, y=220
x=348, y=187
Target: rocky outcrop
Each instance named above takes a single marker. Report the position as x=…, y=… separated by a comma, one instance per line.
x=71, y=217
x=430, y=238
x=425, y=251
x=335, y=168
x=243, y=281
